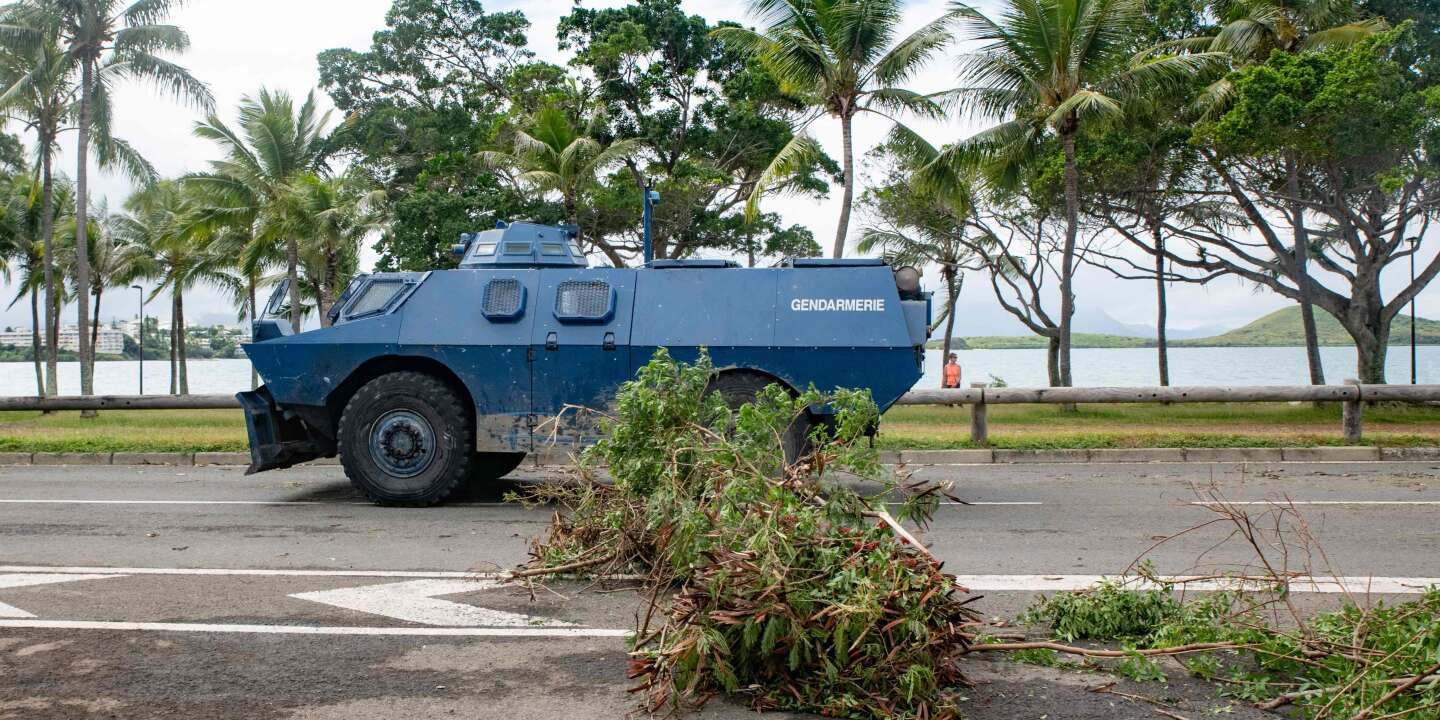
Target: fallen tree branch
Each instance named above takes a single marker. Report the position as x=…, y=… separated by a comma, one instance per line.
x=562, y=569
x=1091, y=652
x=1399, y=689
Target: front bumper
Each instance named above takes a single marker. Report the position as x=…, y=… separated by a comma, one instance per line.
x=277, y=440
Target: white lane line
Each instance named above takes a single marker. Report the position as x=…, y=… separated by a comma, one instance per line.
x=253, y=572
x=174, y=502
x=1324, y=586
x=1208, y=503
x=994, y=583
x=316, y=629
x=997, y=503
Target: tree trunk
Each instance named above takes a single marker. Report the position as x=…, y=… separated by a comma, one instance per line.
x=254, y=315
x=1067, y=259
x=47, y=237
x=949, y=274
x=180, y=343
x=174, y=371
x=1302, y=263
x=1052, y=361
x=292, y=271
x=35, y=341
x=327, y=288
x=95, y=321
x=1162, y=347
x=1370, y=353
x=82, y=220
x=842, y=231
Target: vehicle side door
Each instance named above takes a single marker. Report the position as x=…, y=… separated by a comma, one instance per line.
x=581, y=351
x=477, y=323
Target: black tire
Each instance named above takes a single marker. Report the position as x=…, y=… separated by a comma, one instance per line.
x=739, y=387
x=406, y=440
x=488, y=467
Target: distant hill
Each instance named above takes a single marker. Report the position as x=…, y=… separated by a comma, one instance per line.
x=1282, y=328
x=1027, y=342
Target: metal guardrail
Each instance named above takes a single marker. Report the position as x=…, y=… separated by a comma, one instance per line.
x=1352, y=394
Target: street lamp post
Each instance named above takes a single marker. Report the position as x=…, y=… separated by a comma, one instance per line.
x=142, y=336
x=1414, y=247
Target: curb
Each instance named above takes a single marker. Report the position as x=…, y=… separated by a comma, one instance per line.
x=889, y=457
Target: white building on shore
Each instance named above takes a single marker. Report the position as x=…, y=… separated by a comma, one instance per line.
x=108, y=342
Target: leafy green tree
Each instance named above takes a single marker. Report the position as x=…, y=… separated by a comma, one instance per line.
x=1424, y=15
x=706, y=118
x=1364, y=132
x=112, y=42
x=1045, y=69
x=837, y=57
x=272, y=146
x=433, y=90
x=1249, y=31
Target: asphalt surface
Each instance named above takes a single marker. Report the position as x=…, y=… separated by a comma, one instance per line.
x=198, y=592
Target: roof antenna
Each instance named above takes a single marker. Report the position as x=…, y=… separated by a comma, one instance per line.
x=651, y=197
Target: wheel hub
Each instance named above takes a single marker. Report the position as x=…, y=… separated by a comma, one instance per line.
x=402, y=443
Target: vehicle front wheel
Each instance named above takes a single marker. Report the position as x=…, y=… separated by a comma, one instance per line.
x=739, y=388
x=406, y=439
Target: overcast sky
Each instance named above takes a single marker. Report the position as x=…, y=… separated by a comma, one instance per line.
x=240, y=46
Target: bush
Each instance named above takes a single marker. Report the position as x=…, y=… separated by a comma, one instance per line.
x=789, y=591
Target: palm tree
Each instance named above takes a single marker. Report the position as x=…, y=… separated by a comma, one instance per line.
x=1045, y=68
x=19, y=244
x=273, y=145
x=113, y=262
x=165, y=221
x=335, y=214
x=112, y=42
x=833, y=55
x=554, y=154
x=39, y=94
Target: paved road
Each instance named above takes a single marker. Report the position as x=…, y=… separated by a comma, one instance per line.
x=198, y=592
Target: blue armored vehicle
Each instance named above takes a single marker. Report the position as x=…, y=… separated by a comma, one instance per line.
x=426, y=379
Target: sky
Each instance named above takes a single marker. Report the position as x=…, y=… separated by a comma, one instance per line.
x=239, y=47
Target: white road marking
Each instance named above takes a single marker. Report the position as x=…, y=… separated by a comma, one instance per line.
x=14, y=580
x=1207, y=503
x=416, y=601
x=994, y=583
x=1324, y=586
x=262, y=572
x=175, y=502
x=529, y=632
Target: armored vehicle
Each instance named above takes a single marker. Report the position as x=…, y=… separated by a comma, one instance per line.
x=425, y=379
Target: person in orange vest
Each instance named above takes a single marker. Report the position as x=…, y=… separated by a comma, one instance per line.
x=952, y=372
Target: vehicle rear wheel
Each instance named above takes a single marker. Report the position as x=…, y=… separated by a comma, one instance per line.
x=491, y=466
x=405, y=440
x=740, y=387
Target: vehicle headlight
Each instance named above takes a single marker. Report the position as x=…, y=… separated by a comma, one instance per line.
x=907, y=281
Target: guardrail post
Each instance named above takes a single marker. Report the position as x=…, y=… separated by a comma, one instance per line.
x=1351, y=421
x=979, y=417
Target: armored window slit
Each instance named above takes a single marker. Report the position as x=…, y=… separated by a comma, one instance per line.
x=504, y=299
x=584, y=301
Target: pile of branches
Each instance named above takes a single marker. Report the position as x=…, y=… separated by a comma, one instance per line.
x=766, y=580
x=1365, y=661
